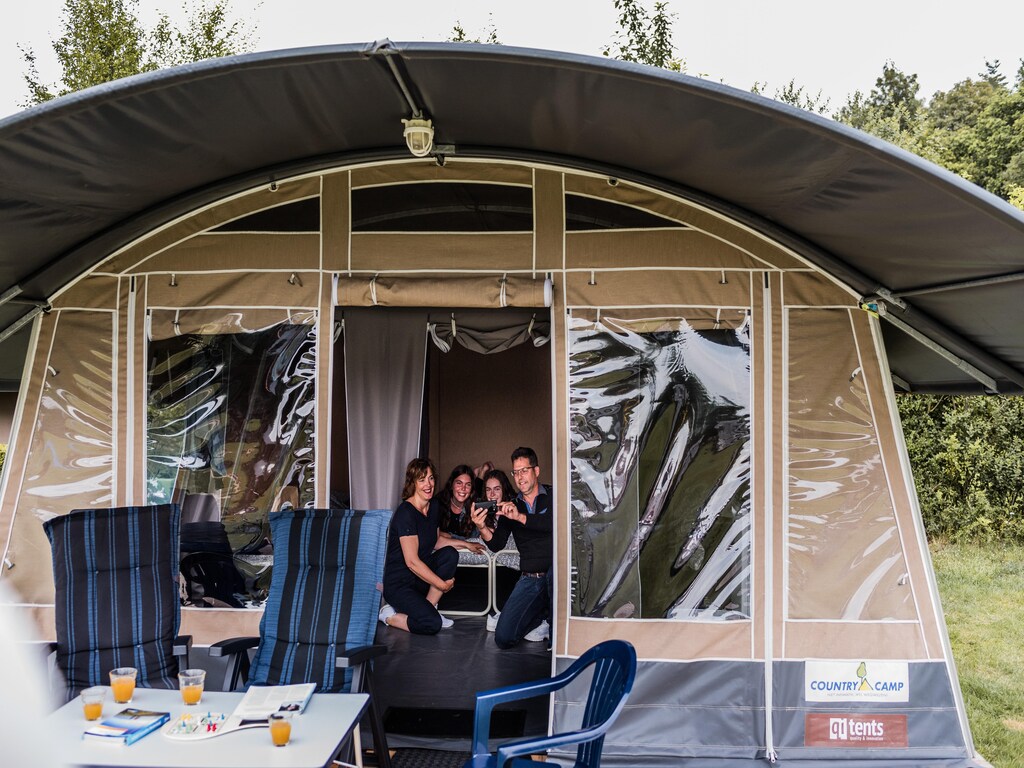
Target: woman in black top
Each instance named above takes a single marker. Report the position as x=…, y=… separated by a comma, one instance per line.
x=415, y=573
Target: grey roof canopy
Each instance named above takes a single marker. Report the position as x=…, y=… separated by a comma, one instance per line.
x=84, y=174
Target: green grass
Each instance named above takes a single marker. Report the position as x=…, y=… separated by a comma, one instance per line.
x=982, y=589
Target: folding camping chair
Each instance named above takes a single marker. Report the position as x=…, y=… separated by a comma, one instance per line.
x=614, y=669
x=115, y=574
x=320, y=618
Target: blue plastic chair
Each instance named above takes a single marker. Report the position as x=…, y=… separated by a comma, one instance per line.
x=614, y=663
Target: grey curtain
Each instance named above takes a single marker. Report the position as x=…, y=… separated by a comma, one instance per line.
x=385, y=355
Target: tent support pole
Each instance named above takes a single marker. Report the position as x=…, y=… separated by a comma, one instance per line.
x=983, y=378
x=981, y=283
x=22, y=321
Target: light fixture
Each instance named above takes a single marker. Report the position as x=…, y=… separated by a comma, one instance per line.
x=419, y=135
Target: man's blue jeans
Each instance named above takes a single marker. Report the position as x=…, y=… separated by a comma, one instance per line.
x=527, y=606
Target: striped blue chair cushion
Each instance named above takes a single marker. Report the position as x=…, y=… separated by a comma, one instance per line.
x=323, y=594
x=115, y=574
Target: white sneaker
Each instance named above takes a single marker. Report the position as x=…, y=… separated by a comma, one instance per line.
x=445, y=621
x=385, y=613
x=541, y=632
x=492, y=621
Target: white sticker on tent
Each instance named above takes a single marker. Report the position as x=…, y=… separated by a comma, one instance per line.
x=856, y=681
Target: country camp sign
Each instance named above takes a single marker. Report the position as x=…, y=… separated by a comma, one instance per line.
x=857, y=681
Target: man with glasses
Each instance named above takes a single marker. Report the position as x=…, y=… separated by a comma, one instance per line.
x=529, y=519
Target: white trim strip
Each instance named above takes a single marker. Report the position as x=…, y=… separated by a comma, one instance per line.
x=685, y=620
x=261, y=232
x=785, y=472
x=348, y=223
x=769, y=521
x=756, y=428
x=533, y=217
x=130, y=426
x=662, y=660
x=660, y=305
x=852, y=622
x=446, y=232
x=488, y=182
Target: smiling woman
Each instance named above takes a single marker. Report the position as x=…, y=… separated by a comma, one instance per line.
x=416, y=570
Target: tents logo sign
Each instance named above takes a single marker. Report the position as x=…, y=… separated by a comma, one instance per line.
x=857, y=681
x=827, y=730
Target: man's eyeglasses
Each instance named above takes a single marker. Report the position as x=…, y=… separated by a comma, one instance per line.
x=523, y=470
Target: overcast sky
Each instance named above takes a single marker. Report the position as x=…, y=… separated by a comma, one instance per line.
x=829, y=46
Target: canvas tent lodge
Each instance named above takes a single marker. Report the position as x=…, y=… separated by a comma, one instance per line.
x=713, y=406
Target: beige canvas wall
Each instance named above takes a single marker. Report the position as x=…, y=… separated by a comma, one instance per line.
x=482, y=407
x=709, y=262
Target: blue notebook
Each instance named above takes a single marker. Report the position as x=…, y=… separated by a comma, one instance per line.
x=127, y=726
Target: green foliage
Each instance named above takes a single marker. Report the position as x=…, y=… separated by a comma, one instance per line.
x=980, y=587
x=489, y=35
x=645, y=38
x=3, y=456
x=1016, y=195
x=967, y=455
x=894, y=97
x=796, y=96
x=209, y=33
x=103, y=40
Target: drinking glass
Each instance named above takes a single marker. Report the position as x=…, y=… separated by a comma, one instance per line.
x=280, y=728
x=191, y=682
x=122, y=684
x=92, y=702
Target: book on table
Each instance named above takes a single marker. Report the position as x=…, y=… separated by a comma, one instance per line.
x=127, y=726
x=261, y=701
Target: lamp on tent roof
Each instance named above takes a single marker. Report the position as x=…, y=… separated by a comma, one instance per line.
x=419, y=135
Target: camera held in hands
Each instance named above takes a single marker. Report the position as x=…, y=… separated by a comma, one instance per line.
x=491, y=507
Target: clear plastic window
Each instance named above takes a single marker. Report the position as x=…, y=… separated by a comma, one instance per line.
x=230, y=437
x=843, y=545
x=659, y=432
x=73, y=435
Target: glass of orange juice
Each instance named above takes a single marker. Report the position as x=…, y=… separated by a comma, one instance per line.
x=280, y=728
x=190, y=682
x=92, y=702
x=122, y=684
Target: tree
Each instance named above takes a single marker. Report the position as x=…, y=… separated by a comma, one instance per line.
x=209, y=34
x=992, y=75
x=645, y=38
x=103, y=40
x=977, y=130
x=893, y=97
x=490, y=35
x=968, y=460
x=796, y=96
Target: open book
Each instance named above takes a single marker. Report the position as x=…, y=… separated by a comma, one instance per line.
x=261, y=701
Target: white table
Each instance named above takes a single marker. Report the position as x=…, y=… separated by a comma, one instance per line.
x=316, y=735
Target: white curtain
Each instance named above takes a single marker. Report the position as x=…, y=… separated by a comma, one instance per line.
x=385, y=354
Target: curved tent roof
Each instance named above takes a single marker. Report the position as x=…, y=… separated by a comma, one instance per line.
x=82, y=175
